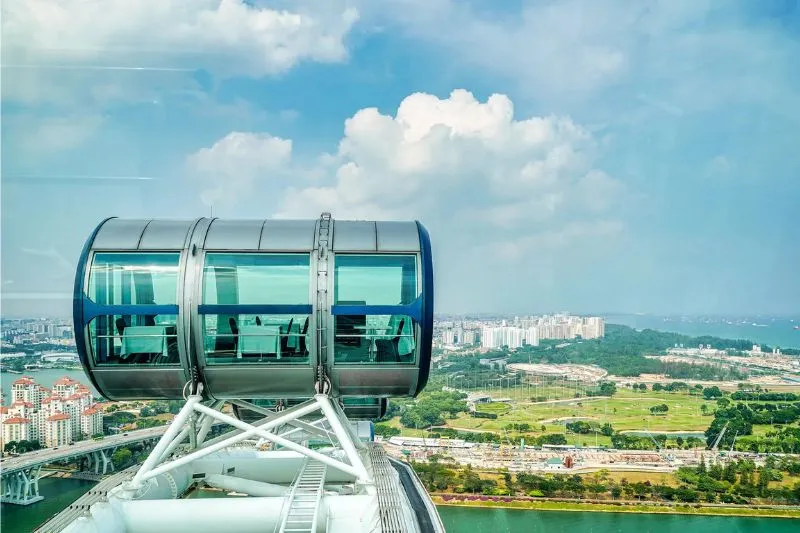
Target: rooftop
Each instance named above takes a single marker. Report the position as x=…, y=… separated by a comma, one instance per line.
x=16, y=420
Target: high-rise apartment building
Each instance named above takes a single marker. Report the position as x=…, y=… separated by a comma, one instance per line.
x=50, y=417
x=530, y=330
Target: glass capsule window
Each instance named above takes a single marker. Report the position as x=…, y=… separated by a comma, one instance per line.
x=375, y=280
x=130, y=334
x=134, y=339
x=255, y=280
x=134, y=278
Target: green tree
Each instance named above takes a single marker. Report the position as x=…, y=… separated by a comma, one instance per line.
x=509, y=483
x=579, y=426
x=729, y=473
x=385, y=430
x=122, y=457
x=552, y=438
x=608, y=388
x=764, y=477
x=710, y=393
x=659, y=409
x=693, y=442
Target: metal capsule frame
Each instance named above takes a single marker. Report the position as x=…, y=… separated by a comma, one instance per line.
x=194, y=241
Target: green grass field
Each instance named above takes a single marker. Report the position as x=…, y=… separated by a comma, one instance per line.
x=627, y=410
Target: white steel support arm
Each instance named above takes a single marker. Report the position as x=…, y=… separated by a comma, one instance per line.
x=345, y=440
x=172, y=432
x=295, y=430
x=249, y=430
x=353, y=436
x=356, y=469
x=299, y=424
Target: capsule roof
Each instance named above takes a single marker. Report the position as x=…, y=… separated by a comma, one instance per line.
x=261, y=235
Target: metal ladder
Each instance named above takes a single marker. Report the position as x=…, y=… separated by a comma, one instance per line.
x=324, y=227
x=390, y=503
x=302, y=512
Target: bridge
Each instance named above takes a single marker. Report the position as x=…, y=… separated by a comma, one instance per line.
x=21, y=474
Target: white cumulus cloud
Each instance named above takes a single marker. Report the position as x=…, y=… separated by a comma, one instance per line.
x=482, y=180
x=465, y=163
x=229, y=168
x=57, y=38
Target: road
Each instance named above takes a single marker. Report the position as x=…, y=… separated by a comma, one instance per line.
x=49, y=455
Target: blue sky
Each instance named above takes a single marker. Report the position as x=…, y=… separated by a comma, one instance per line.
x=591, y=156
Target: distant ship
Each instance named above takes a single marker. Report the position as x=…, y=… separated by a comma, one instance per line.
x=797, y=327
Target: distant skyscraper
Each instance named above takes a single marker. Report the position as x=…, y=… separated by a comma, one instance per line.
x=531, y=330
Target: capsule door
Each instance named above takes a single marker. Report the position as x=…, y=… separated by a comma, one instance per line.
x=132, y=334
x=254, y=324
x=376, y=318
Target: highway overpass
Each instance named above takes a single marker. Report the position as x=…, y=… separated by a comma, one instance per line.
x=20, y=474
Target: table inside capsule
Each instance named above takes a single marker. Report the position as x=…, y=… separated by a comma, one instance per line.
x=259, y=340
x=150, y=340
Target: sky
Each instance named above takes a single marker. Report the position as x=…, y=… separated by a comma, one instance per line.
x=590, y=156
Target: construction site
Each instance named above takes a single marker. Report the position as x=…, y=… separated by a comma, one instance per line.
x=555, y=458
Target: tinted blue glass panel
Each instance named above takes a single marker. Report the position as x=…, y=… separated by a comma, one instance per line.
x=134, y=278
x=134, y=340
x=264, y=338
x=375, y=279
x=380, y=339
x=256, y=279
x=240, y=336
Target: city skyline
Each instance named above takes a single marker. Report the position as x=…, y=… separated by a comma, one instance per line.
x=783, y=332
x=644, y=164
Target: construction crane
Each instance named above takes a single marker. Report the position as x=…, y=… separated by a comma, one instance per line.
x=666, y=456
x=715, y=446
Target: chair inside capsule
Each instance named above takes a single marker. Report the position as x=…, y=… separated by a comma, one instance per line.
x=126, y=326
x=126, y=311
x=256, y=308
x=388, y=284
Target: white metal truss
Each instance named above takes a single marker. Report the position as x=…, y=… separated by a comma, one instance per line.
x=195, y=419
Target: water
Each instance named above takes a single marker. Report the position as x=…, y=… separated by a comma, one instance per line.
x=58, y=494
x=44, y=377
x=772, y=331
x=486, y=520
